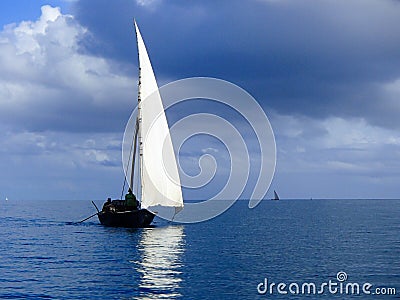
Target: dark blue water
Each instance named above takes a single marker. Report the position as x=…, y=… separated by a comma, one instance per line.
x=42, y=255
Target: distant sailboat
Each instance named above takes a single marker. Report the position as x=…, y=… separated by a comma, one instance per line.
x=276, y=197
x=6, y=199
x=158, y=171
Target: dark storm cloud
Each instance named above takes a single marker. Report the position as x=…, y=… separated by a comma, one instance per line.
x=317, y=58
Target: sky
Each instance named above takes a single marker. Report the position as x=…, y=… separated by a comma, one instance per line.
x=326, y=73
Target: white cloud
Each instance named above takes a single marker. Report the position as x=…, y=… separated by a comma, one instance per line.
x=51, y=165
x=209, y=149
x=147, y=3
x=356, y=133
x=43, y=70
x=332, y=152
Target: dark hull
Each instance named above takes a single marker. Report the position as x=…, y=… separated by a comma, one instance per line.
x=130, y=219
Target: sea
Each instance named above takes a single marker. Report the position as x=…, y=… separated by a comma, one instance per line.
x=287, y=249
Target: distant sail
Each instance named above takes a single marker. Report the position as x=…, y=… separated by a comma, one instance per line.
x=159, y=172
x=276, y=197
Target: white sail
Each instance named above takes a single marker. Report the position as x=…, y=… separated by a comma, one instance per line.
x=159, y=172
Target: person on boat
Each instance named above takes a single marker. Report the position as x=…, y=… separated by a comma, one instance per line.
x=131, y=200
x=107, y=205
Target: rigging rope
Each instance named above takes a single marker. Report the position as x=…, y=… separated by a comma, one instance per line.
x=127, y=166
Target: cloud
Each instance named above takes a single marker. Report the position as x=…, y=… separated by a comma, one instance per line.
x=48, y=82
x=62, y=111
x=315, y=58
x=147, y=2
x=326, y=72
x=59, y=166
x=336, y=156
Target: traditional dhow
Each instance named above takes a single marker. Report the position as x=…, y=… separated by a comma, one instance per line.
x=152, y=149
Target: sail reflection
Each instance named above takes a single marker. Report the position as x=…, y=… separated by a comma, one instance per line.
x=160, y=251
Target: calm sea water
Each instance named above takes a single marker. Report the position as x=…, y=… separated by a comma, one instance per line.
x=43, y=255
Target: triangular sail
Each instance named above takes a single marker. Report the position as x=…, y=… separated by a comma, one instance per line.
x=159, y=172
x=276, y=197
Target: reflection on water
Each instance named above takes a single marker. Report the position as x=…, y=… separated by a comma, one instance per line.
x=160, y=262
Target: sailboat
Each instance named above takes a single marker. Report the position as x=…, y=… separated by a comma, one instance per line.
x=157, y=170
x=276, y=197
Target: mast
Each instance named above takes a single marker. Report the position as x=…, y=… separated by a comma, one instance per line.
x=139, y=117
x=135, y=135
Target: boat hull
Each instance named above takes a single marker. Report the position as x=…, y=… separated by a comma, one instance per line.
x=129, y=219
